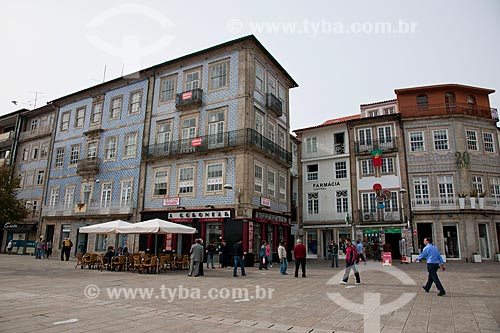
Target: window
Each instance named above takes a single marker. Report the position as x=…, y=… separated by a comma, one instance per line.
x=365, y=136
x=312, y=203
x=369, y=204
x=388, y=165
x=311, y=145
x=29, y=179
x=106, y=195
x=111, y=148
x=218, y=75
x=87, y=190
x=421, y=190
x=95, y=117
x=160, y=183
x=342, y=201
x=271, y=183
x=339, y=143
x=449, y=99
x=34, y=152
x=471, y=140
x=26, y=154
x=188, y=132
x=417, y=141
x=385, y=136
x=477, y=184
x=135, y=101
x=192, y=80
x=167, y=88
x=115, y=109
x=471, y=102
x=214, y=177
x=446, y=191
x=282, y=184
x=281, y=138
x=92, y=150
x=101, y=242
x=163, y=137
x=367, y=167
x=44, y=151
x=69, y=196
x=126, y=193
x=422, y=102
x=282, y=97
x=59, y=157
x=258, y=178
x=259, y=77
x=40, y=177
x=34, y=124
x=440, y=139
x=75, y=155
x=392, y=205
x=373, y=113
x=495, y=189
x=54, y=197
x=271, y=84
x=259, y=122
x=312, y=172
x=65, y=121
x=389, y=110
x=340, y=170
x=216, y=129
x=80, y=117
x=489, y=144
x=130, y=141
x=271, y=131
x=186, y=180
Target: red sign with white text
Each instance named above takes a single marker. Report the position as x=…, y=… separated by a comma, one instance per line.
x=196, y=142
x=187, y=95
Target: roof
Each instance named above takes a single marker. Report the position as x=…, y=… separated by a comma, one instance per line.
x=441, y=86
x=331, y=122
x=212, y=48
x=381, y=102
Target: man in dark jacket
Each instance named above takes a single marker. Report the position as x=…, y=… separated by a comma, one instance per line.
x=299, y=252
x=351, y=258
x=238, y=258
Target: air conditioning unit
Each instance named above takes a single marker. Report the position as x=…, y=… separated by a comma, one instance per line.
x=80, y=208
x=367, y=216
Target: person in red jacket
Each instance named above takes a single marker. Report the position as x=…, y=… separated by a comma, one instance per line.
x=299, y=252
x=351, y=262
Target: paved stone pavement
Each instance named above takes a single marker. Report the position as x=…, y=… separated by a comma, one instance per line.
x=51, y=296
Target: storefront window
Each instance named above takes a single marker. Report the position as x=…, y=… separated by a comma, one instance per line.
x=343, y=235
x=256, y=237
x=451, y=248
x=270, y=238
x=483, y=241
x=101, y=242
x=65, y=230
x=312, y=243
x=213, y=233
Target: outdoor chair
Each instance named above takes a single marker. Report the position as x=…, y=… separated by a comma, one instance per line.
x=79, y=260
x=150, y=264
x=137, y=264
x=119, y=262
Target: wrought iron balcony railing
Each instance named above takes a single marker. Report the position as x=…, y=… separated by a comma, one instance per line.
x=88, y=166
x=239, y=138
x=31, y=134
x=379, y=216
x=274, y=104
x=453, y=203
x=366, y=146
x=455, y=108
x=94, y=208
x=188, y=99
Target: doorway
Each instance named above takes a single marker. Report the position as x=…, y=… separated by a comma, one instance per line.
x=483, y=241
x=49, y=233
x=451, y=246
x=423, y=230
x=392, y=237
x=327, y=238
x=81, y=243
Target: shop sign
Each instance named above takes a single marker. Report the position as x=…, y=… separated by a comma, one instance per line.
x=392, y=230
x=171, y=201
x=9, y=225
x=322, y=186
x=265, y=217
x=265, y=202
x=211, y=214
x=250, y=237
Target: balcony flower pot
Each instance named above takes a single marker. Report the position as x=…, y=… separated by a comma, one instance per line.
x=480, y=201
x=461, y=203
x=476, y=257
x=472, y=202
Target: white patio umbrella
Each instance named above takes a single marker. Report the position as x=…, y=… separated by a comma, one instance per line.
x=105, y=228
x=156, y=226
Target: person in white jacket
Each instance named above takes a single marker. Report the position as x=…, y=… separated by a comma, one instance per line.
x=282, y=257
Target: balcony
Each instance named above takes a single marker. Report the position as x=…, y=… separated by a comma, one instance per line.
x=366, y=147
x=6, y=138
x=441, y=109
x=379, y=216
x=274, y=104
x=88, y=166
x=188, y=99
x=240, y=138
x=37, y=132
x=452, y=203
x=91, y=209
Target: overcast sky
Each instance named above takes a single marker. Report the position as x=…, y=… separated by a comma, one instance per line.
x=337, y=51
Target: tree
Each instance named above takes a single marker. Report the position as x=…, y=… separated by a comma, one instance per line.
x=11, y=208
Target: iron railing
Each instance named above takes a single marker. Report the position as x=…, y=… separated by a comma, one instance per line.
x=239, y=138
x=94, y=208
x=188, y=99
x=453, y=108
x=88, y=166
x=30, y=134
x=366, y=146
x=274, y=104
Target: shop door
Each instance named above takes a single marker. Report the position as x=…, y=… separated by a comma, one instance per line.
x=49, y=233
x=81, y=243
x=393, y=239
x=327, y=237
x=483, y=241
x=451, y=247
x=423, y=230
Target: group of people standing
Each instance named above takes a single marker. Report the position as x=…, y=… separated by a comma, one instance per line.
x=43, y=249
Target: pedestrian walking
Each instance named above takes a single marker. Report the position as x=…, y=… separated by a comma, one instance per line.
x=351, y=258
x=239, y=256
x=210, y=254
x=223, y=255
x=262, y=255
x=66, y=249
x=268, y=255
x=360, y=250
x=434, y=260
x=39, y=248
x=49, y=248
x=333, y=248
x=196, y=252
x=10, y=246
x=299, y=252
x=282, y=257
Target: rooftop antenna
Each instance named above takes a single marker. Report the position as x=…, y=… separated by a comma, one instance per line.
x=36, y=97
x=104, y=76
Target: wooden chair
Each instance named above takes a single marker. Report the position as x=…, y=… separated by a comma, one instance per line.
x=79, y=260
x=137, y=264
x=150, y=264
x=101, y=264
x=184, y=263
x=163, y=263
x=90, y=260
x=119, y=262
